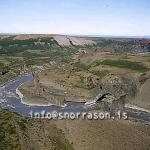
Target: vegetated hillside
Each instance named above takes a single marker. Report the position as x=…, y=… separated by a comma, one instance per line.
x=21, y=133
x=39, y=49
x=66, y=64
x=74, y=65
x=42, y=41
x=62, y=40
x=33, y=49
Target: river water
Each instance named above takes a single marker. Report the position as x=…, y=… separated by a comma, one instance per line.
x=11, y=101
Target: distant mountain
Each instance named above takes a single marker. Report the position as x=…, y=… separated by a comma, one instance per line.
x=86, y=35
x=115, y=36
x=62, y=40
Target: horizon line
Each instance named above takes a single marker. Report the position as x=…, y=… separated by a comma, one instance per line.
x=74, y=34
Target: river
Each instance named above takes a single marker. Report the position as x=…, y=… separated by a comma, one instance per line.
x=11, y=101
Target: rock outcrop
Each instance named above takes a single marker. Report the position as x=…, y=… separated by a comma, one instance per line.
x=108, y=102
x=119, y=85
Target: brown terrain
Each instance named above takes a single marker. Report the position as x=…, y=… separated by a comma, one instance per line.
x=61, y=39
x=76, y=68
x=26, y=134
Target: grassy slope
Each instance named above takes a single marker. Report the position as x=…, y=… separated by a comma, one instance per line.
x=19, y=133
x=106, y=135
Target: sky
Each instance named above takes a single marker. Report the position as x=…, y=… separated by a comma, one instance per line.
x=82, y=17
